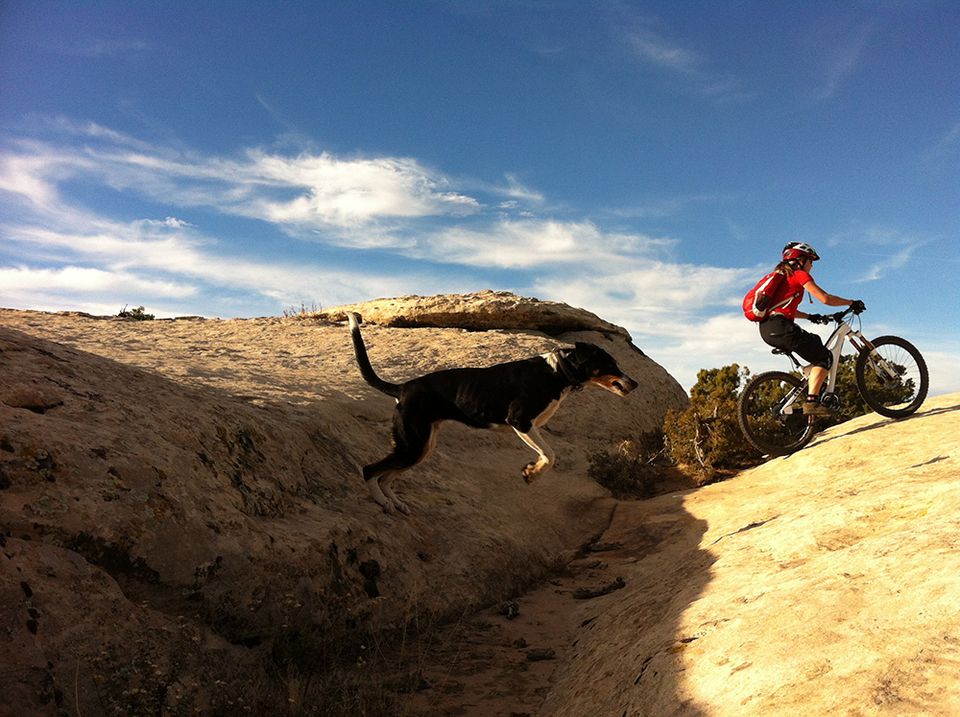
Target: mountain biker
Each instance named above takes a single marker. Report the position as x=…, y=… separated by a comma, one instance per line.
x=780, y=331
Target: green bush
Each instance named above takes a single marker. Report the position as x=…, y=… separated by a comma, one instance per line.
x=137, y=314
x=706, y=435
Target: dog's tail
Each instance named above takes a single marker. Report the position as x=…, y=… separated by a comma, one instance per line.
x=363, y=361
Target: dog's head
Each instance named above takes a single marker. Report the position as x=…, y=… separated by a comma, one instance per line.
x=593, y=365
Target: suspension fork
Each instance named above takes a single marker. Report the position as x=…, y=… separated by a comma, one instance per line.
x=879, y=364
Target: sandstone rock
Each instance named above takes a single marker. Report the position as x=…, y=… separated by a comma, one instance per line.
x=482, y=311
x=200, y=480
x=823, y=583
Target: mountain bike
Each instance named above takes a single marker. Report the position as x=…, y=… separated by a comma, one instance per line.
x=891, y=378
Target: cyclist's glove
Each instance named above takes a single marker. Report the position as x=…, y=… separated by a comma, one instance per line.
x=819, y=318
x=858, y=306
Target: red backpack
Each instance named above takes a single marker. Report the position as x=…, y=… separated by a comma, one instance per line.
x=758, y=303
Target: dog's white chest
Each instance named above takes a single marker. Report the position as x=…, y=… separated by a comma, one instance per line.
x=551, y=408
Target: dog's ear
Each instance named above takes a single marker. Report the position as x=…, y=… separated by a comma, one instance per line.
x=584, y=351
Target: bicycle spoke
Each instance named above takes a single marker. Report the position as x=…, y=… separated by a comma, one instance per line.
x=771, y=413
x=892, y=377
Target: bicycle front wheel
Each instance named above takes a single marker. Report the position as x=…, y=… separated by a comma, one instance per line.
x=770, y=412
x=892, y=377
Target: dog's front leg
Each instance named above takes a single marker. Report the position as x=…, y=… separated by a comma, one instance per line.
x=547, y=457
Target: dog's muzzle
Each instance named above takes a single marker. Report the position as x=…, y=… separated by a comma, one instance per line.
x=620, y=385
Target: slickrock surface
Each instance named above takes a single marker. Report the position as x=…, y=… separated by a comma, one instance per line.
x=179, y=497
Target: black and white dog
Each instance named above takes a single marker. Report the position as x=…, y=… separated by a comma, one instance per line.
x=520, y=394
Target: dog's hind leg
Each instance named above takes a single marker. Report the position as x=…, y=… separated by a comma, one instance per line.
x=412, y=442
x=385, y=481
x=378, y=476
x=373, y=485
x=547, y=457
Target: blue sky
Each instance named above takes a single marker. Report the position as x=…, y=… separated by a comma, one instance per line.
x=644, y=160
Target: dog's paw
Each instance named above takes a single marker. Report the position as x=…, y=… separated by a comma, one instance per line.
x=401, y=506
x=530, y=472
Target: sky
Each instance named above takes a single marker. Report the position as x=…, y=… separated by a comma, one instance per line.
x=646, y=161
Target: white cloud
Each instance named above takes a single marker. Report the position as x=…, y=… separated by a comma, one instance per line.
x=689, y=65
x=32, y=178
x=887, y=249
x=898, y=260
x=840, y=58
x=673, y=309
x=516, y=190
x=306, y=191
x=650, y=291
x=525, y=244
x=944, y=369
x=17, y=280
x=71, y=252
x=161, y=259
x=945, y=146
x=658, y=51
x=351, y=192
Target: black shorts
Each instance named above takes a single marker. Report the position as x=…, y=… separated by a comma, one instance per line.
x=782, y=333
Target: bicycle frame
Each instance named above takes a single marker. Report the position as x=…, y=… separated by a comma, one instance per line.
x=834, y=344
x=888, y=373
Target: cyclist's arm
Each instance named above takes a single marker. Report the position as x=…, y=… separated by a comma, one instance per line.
x=823, y=297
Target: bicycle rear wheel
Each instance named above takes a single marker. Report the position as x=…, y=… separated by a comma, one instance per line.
x=892, y=377
x=770, y=412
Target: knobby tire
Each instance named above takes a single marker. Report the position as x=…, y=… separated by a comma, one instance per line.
x=906, y=356
x=768, y=432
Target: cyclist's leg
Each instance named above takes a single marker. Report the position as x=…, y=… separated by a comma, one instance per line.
x=782, y=333
x=810, y=347
x=818, y=374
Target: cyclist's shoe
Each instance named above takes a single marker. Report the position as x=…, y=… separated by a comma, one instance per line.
x=813, y=407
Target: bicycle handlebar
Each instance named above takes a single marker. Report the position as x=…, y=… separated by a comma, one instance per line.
x=852, y=309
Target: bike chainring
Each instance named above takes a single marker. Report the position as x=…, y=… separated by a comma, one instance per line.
x=831, y=401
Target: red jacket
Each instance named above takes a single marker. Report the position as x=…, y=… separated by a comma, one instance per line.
x=792, y=286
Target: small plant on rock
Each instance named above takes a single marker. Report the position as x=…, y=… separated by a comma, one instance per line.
x=137, y=314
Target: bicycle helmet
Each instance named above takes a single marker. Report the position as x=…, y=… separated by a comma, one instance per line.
x=799, y=250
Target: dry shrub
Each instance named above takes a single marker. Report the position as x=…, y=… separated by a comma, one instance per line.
x=632, y=469
x=705, y=437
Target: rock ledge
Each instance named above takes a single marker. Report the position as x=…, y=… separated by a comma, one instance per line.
x=481, y=311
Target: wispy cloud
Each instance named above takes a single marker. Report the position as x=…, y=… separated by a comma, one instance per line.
x=538, y=243
x=654, y=295
x=886, y=249
x=78, y=257
x=945, y=146
x=839, y=58
x=88, y=280
x=890, y=262
x=304, y=191
x=666, y=206
x=661, y=53
x=690, y=66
